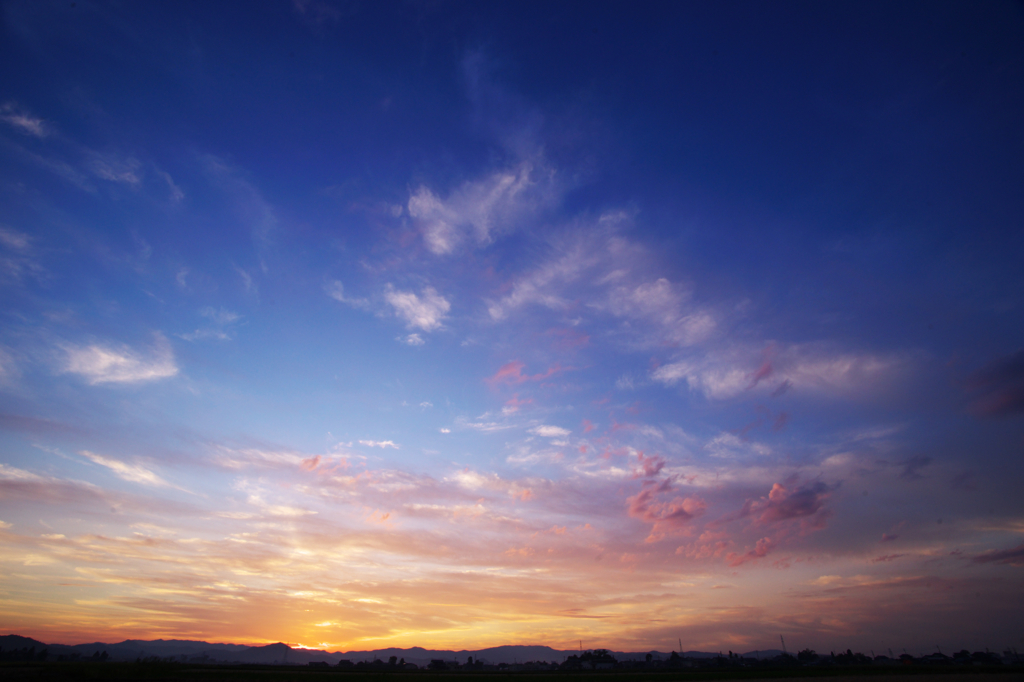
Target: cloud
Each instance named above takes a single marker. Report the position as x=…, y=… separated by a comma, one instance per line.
x=426, y=311
x=248, y=202
x=761, y=549
x=136, y=473
x=512, y=373
x=479, y=210
x=379, y=444
x=412, y=340
x=550, y=431
x=23, y=121
x=913, y=466
x=201, y=334
x=724, y=374
x=336, y=290
x=444, y=430
x=1009, y=557
x=18, y=241
x=125, y=171
x=221, y=316
x=783, y=504
x=664, y=517
x=100, y=364
x=999, y=387
x=16, y=256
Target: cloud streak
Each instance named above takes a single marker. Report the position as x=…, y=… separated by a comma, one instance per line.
x=110, y=364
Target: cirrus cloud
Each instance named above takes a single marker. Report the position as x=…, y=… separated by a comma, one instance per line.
x=108, y=364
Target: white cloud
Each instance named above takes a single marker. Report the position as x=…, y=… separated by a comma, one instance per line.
x=221, y=317
x=550, y=431
x=425, y=311
x=23, y=121
x=15, y=474
x=100, y=364
x=176, y=194
x=201, y=334
x=126, y=171
x=16, y=259
x=477, y=211
x=247, y=281
x=444, y=430
x=714, y=381
x=336, y=290
x=379, y=444
x=136, y=473
x=412, y=340
x=807, y=367
x=14, y=240
x=426, y=403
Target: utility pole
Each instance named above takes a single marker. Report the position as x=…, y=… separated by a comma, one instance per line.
x=680, y=646
x=783, y=644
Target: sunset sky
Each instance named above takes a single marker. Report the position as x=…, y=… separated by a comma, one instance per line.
x=449, y=324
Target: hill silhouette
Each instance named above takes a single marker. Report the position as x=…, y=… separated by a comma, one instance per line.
x=282, y=654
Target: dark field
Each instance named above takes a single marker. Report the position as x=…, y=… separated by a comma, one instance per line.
x=128, y=672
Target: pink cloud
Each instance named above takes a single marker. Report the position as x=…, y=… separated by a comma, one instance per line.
x=760, y=550
x=649, y=467
x=588, y=426
x=514, y=403
x=512, y=373
x=806, y=503
x=664, y=517
x=886, y=558
x=765, y=370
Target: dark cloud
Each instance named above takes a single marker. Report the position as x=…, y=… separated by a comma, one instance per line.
x=1010, y=557
x=782, y=504
x=999, y=387
x=912, y=466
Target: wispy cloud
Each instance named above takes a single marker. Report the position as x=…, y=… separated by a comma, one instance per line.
x=136, y=473
x=106, y=364
x=379, y=444
x=816, y=368
x=336, y=290
x=512, y=373
x=481, y=209
x=23, y=121
x=425, y=311
x=127, y=171
x=220, y=318
x=550, y=431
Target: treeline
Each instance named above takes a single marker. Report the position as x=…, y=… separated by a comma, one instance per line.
x=30, y=654
x=602, y=659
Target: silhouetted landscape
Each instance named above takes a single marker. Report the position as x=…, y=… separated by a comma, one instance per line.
x=27, y=658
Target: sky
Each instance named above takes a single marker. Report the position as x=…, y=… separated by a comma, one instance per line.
x=356, y=325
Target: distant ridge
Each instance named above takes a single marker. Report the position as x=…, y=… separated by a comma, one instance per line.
x=282, y=654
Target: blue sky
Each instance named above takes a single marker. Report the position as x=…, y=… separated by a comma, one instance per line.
x=421, y=324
